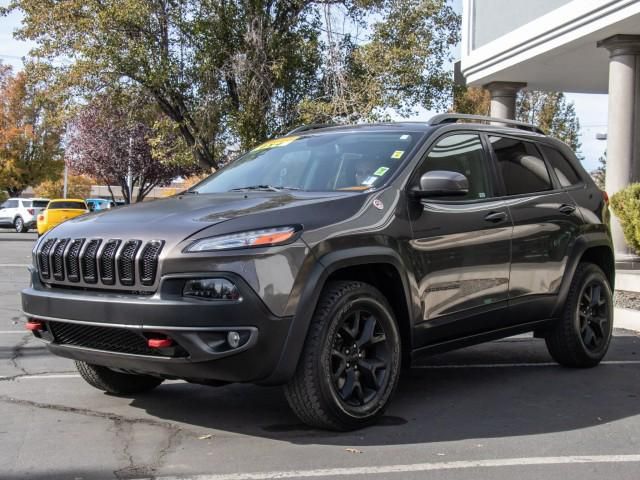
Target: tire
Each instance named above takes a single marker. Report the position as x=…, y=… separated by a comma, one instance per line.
x=116, y=383
x=336, y=387
x=581, y=337
x=19, y=225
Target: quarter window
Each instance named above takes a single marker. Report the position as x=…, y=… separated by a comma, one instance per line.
x=565, y=172
x=462, y=153
x=521, y=165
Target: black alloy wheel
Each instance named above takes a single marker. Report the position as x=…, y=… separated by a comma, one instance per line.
x=360, y=358
x=593, y=315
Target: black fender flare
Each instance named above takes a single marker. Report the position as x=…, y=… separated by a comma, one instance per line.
x=582, y=244
x=310, y=295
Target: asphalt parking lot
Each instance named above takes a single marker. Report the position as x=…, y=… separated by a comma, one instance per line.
x=500, y=410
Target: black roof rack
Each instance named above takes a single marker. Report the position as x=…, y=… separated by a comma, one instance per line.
x=454, y=117
x=311, y=126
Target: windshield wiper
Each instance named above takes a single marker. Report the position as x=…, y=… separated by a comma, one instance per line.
x=268, y=188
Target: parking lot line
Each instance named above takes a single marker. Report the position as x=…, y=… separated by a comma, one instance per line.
x=9, y=332
x=17, y=265
x=517, y=365
x=416, y=467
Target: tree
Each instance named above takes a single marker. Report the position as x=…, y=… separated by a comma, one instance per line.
x=599, y=175
x=105, y=142
x=549, y=110
x=30, y=136
x=236, y=72
x=78, y=186
x=552, y=113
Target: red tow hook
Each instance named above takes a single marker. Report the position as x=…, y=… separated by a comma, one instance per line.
x=159, y=342
x=34, y=325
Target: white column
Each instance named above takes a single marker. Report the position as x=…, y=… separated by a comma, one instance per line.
x=503, y=98
x=623, y=136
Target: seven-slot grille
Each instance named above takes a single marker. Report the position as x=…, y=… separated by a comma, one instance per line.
x=99, y=262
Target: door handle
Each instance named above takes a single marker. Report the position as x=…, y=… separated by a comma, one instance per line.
x=495, y=217
x=567, y=209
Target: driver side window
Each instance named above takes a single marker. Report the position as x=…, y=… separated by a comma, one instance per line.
x=462, y=153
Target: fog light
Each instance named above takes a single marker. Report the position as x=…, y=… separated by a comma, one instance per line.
x=233, y=339
x=211, y=289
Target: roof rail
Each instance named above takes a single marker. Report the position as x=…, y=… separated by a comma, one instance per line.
x=454, y=117
x=311, y=126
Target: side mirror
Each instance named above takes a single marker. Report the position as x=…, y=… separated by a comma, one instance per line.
x=441, y=183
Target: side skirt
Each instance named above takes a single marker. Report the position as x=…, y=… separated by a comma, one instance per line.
x=480, y=338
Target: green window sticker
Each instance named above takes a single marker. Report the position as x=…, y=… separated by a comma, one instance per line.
x=381, y=171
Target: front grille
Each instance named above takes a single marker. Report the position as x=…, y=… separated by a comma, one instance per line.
x=73, y=260
x=88, y=262
x=43, y=258
x=108, y=262
x=58, y=259
x=97, y=263
x=149, y=262
x=110, y=339
x=127, y=262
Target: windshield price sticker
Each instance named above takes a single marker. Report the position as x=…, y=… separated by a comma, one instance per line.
x=278, y=142
x=397, y=154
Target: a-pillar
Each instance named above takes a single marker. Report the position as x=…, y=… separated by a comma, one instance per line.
x=623, y=129
x=503, y=98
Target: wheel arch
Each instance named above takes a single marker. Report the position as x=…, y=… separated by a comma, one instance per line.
x=372, y=265
x=596, y=249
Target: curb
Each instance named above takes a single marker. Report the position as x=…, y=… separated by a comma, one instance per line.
x=626, y=318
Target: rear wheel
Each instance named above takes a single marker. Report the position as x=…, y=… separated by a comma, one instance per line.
x=19, y=225
x=581, y=337
x=117, y=383
x=350, y=363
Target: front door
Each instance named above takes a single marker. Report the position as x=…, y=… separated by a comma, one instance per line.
x=460, y=247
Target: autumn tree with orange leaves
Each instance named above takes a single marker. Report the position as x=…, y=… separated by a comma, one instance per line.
x=30, y=135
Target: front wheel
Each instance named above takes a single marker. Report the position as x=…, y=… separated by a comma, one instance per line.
x=19, y=225
x=350, y=363
x=582, y=335
x=117, y=383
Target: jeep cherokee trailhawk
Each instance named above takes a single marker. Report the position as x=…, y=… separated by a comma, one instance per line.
x=325, y=259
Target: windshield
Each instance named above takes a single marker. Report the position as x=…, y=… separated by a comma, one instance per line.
x=322, y=162
x=67, y=204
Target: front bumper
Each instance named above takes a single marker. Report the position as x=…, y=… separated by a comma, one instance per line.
x=197, y=327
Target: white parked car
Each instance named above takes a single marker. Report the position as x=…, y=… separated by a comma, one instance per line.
x=21, y=213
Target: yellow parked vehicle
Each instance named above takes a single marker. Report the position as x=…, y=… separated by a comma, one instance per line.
x=58, y=211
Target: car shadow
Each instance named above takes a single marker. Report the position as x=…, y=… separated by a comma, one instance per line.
x=434, y=403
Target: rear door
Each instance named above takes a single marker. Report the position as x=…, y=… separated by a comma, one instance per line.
x=460, y=246
x=545, y=226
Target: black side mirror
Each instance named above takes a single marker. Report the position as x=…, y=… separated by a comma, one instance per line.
x=441, y=183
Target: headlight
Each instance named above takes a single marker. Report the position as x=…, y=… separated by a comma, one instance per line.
x=254, y=238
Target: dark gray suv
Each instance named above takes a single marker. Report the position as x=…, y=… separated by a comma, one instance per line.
x=326, y=259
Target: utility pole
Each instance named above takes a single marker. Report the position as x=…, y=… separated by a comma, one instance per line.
x=66, y=181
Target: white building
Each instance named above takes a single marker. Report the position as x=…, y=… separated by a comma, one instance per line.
x=590, y=46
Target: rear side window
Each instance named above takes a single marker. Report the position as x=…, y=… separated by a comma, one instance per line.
x=11, y=203
x=563, y=169
x=61, y=205
x=521, y=165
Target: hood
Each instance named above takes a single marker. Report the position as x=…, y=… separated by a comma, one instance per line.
x=176, y=218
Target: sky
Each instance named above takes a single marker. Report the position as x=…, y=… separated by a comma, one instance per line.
x=591, y=109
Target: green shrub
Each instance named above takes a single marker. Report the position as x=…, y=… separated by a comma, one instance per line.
x=3, y=196
x=626, y=206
